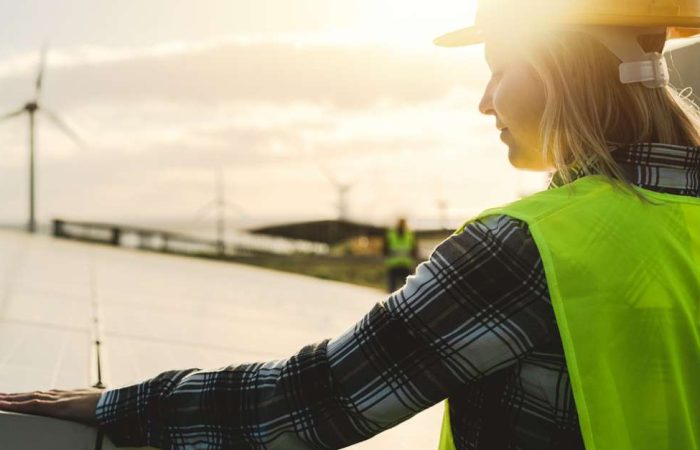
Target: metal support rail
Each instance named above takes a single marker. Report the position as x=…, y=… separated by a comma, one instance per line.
x=144, y=238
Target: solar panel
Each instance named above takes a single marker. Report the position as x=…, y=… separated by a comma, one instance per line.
x=154, y=313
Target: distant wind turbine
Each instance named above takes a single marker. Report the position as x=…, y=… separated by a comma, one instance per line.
x=219, y=204
x=31, y=108
x=343, y=191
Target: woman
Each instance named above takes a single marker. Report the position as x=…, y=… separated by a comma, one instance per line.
x=568, y=316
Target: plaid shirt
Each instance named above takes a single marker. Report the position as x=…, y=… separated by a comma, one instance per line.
x=474, y=324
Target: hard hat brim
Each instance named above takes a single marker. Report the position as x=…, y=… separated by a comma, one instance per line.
x=461, y=37
x=474, y=35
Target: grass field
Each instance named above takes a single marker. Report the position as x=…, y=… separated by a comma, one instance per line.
x=361, y=270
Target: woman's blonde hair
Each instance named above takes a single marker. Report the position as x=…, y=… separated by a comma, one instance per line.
x=589, y=111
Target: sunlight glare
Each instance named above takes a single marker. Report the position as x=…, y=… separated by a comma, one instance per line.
x=410, y=22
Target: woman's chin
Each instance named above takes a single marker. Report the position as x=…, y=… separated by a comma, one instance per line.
x=515, y=158
x=519, y=161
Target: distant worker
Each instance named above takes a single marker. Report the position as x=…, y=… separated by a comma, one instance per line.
x=401, y=252
x=568, y=319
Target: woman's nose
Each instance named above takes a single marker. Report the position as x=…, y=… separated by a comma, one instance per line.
x=486, y=105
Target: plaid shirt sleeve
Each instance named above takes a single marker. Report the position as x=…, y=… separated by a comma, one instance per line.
x=479, y=304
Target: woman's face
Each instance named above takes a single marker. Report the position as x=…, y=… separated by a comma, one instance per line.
x=515, y=97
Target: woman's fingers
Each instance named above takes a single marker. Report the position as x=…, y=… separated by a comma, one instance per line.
x=40, y=395
x=52, y=394
x=78, y=405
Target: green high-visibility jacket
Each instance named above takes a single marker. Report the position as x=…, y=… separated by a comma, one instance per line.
x=400, y=248
x=624, y=280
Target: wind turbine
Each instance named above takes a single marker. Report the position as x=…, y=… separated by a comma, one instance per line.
x=343, y=191
x=219, y=204
x=32, y=107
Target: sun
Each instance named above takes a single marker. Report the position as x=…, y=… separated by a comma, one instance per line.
x=408, y=22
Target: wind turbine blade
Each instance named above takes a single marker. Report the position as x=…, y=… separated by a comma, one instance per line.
x=64, y=127
x=357, y=179
x=204, y=211
x=12, y=114
x=328, y=174
x=324, y=169
x=233, y=207
x=40, y=72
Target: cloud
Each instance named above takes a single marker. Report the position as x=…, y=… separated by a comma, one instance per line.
x=339, y=76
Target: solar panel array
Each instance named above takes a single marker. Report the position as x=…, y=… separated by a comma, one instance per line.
x=155, y=312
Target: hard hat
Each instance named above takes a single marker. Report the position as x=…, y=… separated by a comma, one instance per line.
x=614, y=23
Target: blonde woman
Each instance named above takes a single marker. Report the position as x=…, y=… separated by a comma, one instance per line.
x=568, y=318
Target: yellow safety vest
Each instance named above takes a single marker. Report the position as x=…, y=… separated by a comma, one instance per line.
x=624, y=280
x=400, y=248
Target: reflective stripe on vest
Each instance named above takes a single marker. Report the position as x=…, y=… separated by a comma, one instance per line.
x=400, y=248
x=624, y=281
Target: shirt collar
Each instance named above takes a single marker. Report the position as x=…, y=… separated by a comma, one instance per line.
x=671, y=169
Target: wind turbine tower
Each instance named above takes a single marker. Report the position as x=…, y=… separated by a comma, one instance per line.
x=220, y=211
x=443, y=208
x=343, y=209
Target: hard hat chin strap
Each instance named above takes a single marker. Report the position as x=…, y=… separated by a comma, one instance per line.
x=637, y=66
x=653, y=73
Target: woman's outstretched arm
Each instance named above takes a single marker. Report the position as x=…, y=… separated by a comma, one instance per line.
x=478, y=305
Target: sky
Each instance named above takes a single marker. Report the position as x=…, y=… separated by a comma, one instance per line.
x=285, y=100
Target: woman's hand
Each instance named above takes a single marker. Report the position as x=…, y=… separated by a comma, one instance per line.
x=77, y=405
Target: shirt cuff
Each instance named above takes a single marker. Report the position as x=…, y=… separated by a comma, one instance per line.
x=134, y=415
